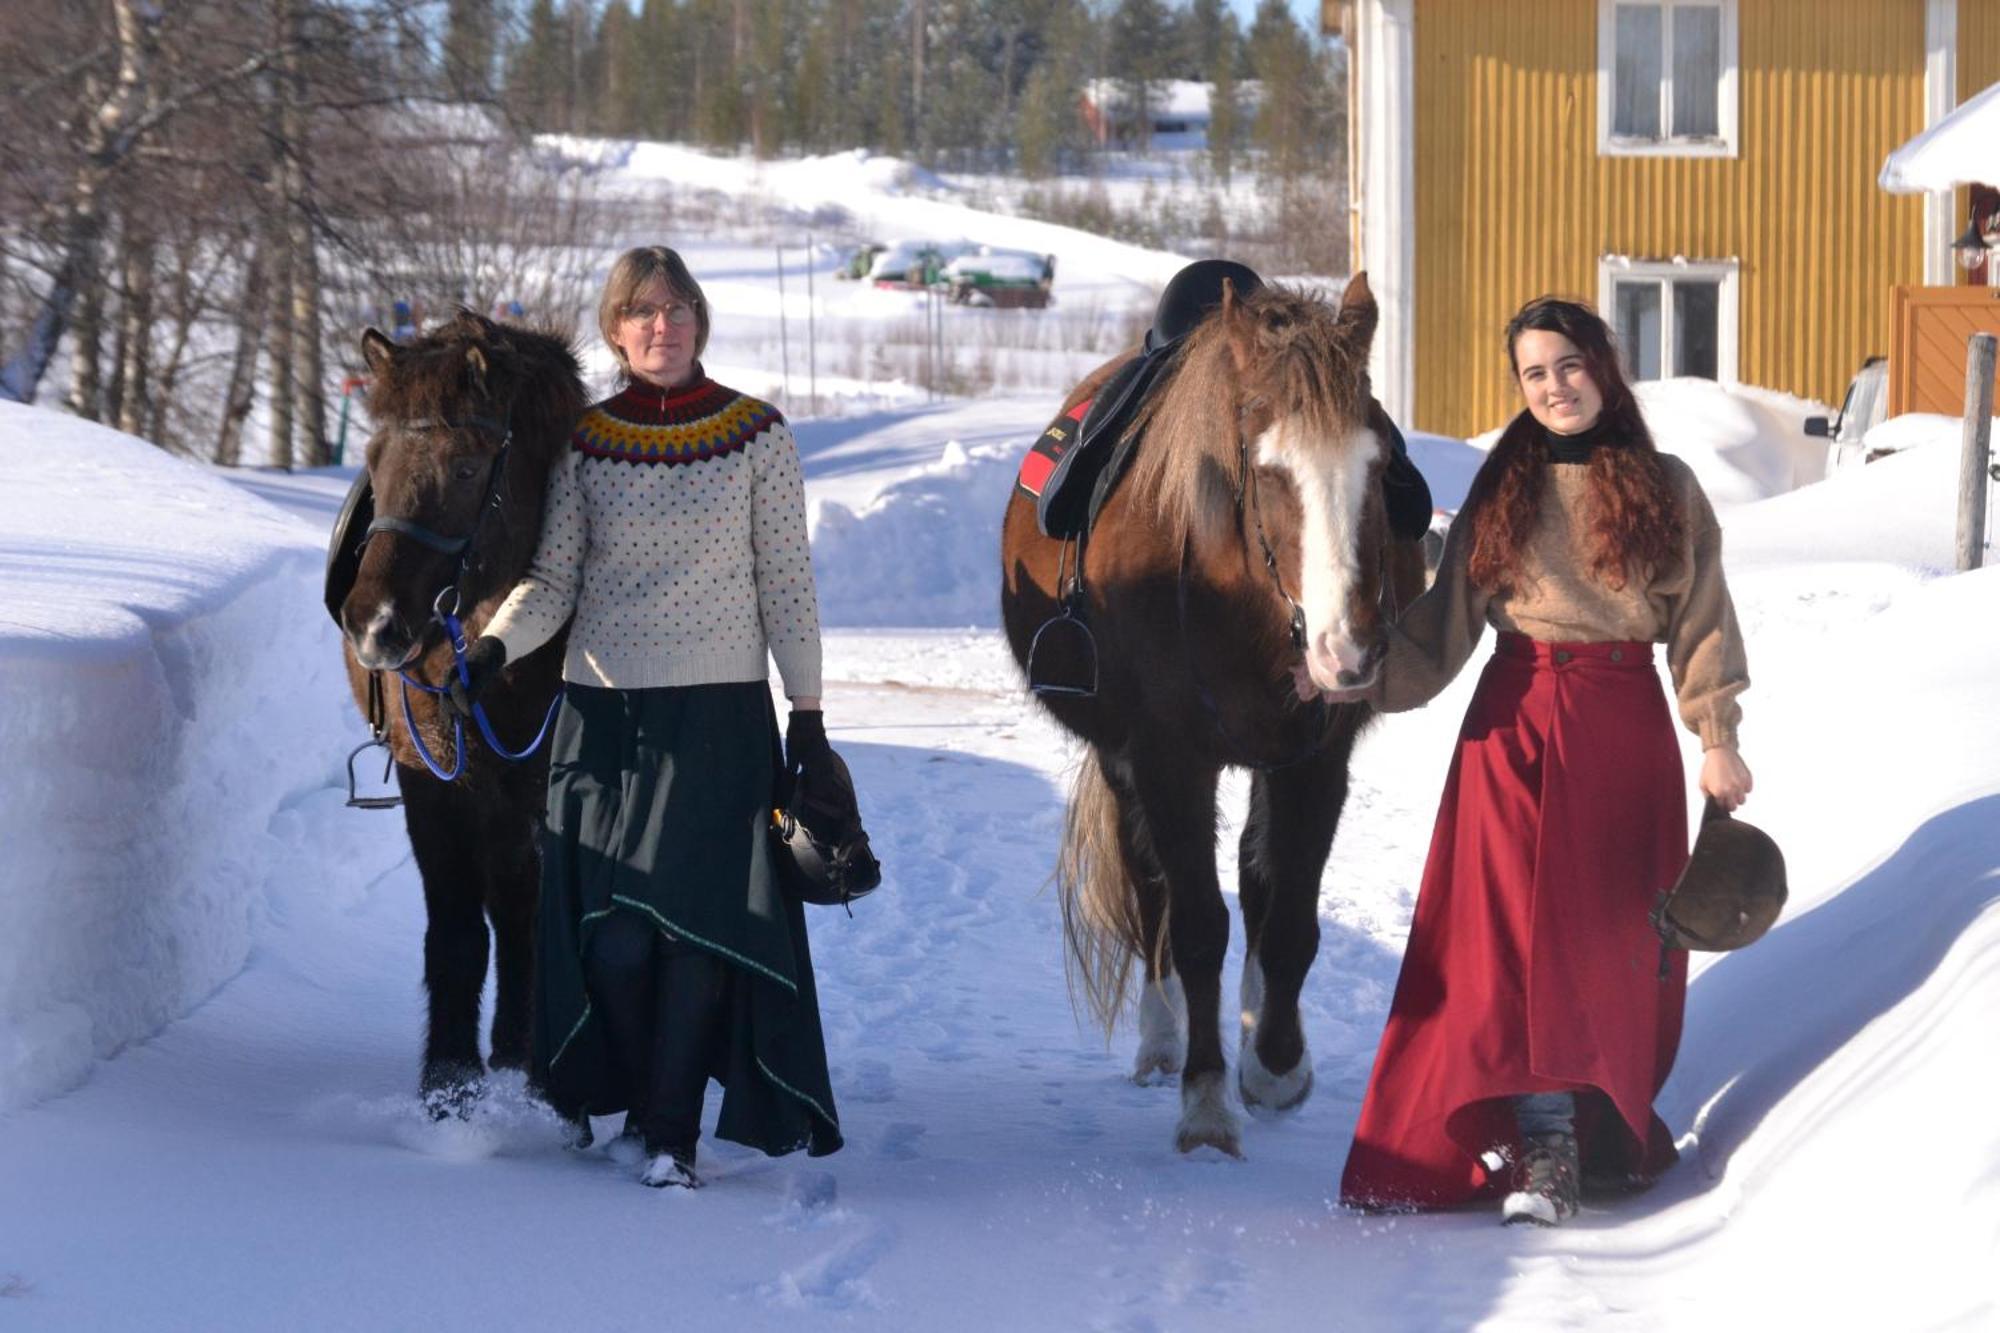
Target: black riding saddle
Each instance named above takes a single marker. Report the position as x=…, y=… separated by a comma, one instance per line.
x=1078, y=461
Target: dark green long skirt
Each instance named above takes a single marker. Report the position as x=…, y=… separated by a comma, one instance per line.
x=659, y=804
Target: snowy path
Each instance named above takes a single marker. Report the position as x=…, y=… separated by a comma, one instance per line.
x=264, y=1156
x=261, y=1163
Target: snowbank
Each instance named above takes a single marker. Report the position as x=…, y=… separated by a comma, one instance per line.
x=1744, y=443
x=171, y=685
x=924, y=552
x=1902, y=509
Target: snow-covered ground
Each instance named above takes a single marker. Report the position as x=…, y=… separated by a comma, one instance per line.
x=210, y=1009
x=263, y=1155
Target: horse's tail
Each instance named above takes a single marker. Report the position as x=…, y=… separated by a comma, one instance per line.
x=1099, y=890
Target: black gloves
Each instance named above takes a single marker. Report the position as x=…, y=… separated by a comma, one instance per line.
x=805, y=740
x=822, y=793
x=483, y=661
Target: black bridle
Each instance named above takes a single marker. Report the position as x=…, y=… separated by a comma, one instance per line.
x=462, y=547
x=1250, y=516
x=446, y=608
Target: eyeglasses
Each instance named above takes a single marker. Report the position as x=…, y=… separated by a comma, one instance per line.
x=678, y=313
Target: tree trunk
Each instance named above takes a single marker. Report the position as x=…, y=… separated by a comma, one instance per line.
x=243, y=366
x=82, y=229
x=308, y=378
x=917, y=70
x=135, y=332
x=86, y=386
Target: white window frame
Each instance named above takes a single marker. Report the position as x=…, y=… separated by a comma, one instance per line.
x=1726, y=141
x=1613, y=269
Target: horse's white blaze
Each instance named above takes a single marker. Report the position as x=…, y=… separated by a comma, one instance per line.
x=1331, y=477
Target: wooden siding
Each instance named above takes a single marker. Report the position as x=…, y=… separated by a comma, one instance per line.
x=1513, y=200
x=1978, y=46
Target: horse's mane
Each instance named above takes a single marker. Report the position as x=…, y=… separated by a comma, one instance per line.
x=530, y=374
x=533, y=369
x=1299, y=355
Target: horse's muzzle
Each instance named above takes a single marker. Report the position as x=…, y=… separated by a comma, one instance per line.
x=1341, y=664
x=383, y=643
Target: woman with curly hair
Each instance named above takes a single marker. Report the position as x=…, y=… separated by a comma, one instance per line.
x=1536, y=1015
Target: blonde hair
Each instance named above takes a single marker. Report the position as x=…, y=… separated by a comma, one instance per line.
x=634, y=269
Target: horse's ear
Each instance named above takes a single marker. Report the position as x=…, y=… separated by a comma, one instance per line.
x=1358, y=310
x=377, y=351
x=1230, y=313
x=475, y=370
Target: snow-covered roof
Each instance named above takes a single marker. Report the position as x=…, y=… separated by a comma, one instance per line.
x=1174, y=99
x=1007, y=264
x=1961, y=149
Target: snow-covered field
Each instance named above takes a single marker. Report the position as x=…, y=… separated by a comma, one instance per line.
x=210, y=1008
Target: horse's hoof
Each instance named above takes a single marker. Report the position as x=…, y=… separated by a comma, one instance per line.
x=1153, y=1067
x=1264, y=1091
x=1206, y=1120
x=452, y=1094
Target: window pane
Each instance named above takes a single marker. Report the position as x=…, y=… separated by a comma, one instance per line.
x=1638, y=72
x=1697, y=70
x=1697, y=328
x=1637, y=305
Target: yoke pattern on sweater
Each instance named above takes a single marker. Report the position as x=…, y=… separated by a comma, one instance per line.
x=702, y=422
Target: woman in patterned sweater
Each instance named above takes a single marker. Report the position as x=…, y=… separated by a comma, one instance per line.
x=674, y=546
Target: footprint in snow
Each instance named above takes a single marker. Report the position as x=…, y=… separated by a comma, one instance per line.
x=899, y=1141
x=836, y=1280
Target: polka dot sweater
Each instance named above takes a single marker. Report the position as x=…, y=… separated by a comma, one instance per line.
x=675, y=534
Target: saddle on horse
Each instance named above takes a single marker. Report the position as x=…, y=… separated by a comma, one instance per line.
x=1077, y=462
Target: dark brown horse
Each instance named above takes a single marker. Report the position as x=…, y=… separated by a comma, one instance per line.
x=444, y=407
x=1262, y=431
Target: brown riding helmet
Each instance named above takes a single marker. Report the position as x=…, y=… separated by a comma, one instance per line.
x=1731, y=891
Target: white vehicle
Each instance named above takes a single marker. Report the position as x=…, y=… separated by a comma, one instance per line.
x=1863, y=409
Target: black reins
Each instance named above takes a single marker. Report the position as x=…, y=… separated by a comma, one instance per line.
x=462, y=547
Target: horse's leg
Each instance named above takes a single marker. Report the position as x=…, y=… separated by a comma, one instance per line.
x=1295, y=813
x=1162, y=1006
x=1178, y=805
x=513, y=886
x=1253, y=894
x=443, y=836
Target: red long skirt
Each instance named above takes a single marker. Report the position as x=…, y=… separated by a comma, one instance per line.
x=1531, y=965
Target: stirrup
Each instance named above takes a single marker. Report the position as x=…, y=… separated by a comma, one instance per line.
x=1076, y=632
x=359, y=802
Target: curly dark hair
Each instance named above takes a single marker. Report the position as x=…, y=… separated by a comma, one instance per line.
x=1635, y=519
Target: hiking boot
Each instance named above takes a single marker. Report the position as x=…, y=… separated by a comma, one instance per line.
x=670, y=1169
x=1545, y=1182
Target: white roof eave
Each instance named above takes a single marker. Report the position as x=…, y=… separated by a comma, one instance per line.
x=1961, y=149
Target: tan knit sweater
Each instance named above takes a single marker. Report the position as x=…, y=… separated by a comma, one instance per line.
x=1558, y=600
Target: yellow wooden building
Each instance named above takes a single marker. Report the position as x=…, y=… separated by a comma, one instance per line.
x=1704, y=171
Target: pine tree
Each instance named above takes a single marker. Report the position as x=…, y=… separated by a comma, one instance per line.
x=469, y=48
x=538, y=70
x=1207, y=30
x=1281, y=58
x=1141, y=56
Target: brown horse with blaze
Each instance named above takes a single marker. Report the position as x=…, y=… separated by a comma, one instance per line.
x=1248, y=544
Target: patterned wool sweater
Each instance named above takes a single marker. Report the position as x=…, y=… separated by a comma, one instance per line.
x=675, y=535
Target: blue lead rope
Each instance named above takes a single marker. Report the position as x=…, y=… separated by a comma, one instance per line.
x=456, y=631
